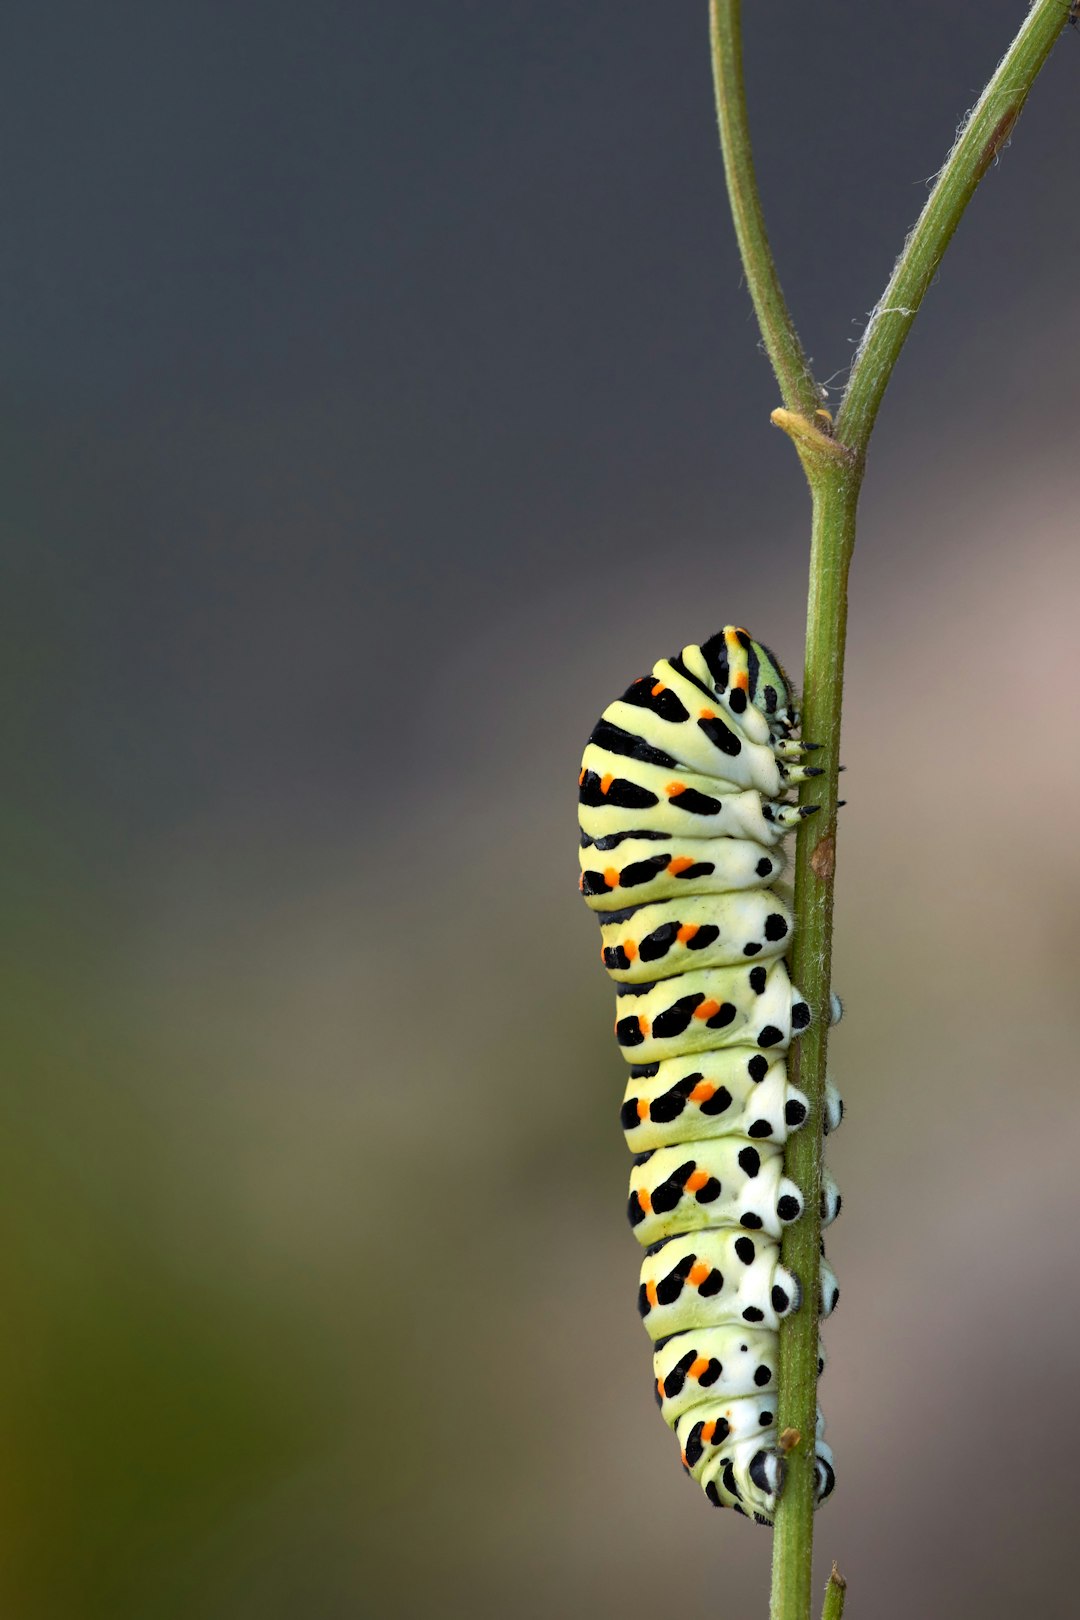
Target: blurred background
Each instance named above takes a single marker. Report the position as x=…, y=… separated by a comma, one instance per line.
x=380, y=396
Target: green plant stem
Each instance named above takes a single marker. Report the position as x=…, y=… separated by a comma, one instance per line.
x=835, y=1592
x=790, y=365
x=834, y=464
x=835, y=496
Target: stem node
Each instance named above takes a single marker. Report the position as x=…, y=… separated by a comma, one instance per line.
x=809, y=435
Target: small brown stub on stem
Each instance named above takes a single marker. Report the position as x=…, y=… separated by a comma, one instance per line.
x=823, y=860
x=999, y=137
x=837, y=1579
x=789, y=1439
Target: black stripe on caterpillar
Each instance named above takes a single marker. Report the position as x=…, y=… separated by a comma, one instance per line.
x=683, y=808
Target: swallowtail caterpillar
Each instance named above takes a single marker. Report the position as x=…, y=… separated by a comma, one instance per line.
x=683, y=808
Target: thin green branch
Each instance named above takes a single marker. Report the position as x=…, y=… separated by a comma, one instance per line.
x=834, y=460
x=983, y=136
x=789, y=363
x=835, y=1592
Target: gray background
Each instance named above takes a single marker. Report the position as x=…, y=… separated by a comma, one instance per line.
x=380, y=396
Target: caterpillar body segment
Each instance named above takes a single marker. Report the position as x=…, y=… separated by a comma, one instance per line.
x=668, y=799
x=718, y=1093
x=698, y=1011
x=709, y=931
x=704, y=1280
x=683, y=812
x=628, y=869
x=719, y=1183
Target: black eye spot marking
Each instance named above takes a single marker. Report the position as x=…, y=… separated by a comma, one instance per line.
x=749, y=1160
x=656, y=945
x=676, y=1378
x=649, y=693
x=676, y=1018
x=620, y=793
x=719, y=733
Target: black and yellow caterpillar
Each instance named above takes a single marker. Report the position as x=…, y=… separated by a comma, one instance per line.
x=683, y=810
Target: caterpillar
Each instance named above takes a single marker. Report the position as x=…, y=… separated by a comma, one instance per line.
x=683, y=809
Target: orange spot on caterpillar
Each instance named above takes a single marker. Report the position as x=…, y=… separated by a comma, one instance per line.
x=660, y=1388
x=695, y=1182
x=672, y=788
x=643, y=1025
x=698, y=1274
x=686, y=933
x=742, y=681
x=679, y=864
x=629, y=950
x=644, y=1200
x=702, y=1091
x=611, y=876
x=706, y=714
x=685, y=1464
x=708, y=1431
x=581, y=882
x=708, y=1009
x=650, y=1293
x=581, y=778
x=699, y=1366
x=658, y=688
x=605, y=782
x=642, y=1108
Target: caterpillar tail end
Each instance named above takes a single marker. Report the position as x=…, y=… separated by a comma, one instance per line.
x=752, y=1479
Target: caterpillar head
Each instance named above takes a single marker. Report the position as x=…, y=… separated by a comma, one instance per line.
x=748, y=672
